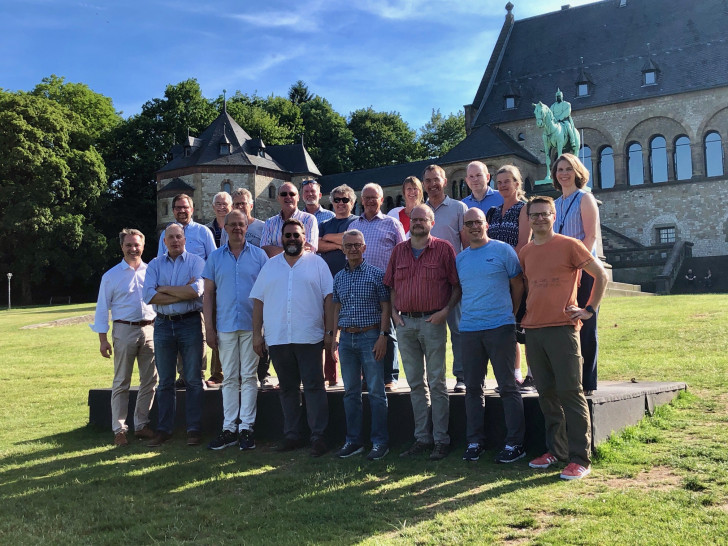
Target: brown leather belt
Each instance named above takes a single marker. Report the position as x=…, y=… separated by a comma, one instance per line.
x=358, y=330
x=137, y=323
x=417, y=314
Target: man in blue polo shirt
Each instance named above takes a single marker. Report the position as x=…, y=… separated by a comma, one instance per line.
x=482, y=196
x=229, y=274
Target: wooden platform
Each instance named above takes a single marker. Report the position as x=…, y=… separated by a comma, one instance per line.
x=613, y=407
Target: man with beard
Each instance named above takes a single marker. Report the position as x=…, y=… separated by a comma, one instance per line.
x=271, y=241
x=292, y=300
x=311, y=191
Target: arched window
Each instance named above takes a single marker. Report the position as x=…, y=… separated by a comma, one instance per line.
x=635, y=167
x=464, y=189
x=586, y=158
x=271, y=192
x=227, y=186
x=683, y=159
x=606, y=168
x=658, y=159
x=400, y=200
x=713, y=154
x=389, y=202
x=455, y=190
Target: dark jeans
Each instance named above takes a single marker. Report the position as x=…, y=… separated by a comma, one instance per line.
x=499, y=346
x=295, y=363
x=588, y=335
x=183, y=337
x=391, y=360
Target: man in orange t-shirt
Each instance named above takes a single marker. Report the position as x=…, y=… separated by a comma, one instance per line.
x=552, y=265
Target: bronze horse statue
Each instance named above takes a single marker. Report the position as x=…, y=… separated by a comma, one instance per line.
x=556, y=135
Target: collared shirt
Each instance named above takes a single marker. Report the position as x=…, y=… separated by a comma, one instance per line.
x=491, y=199
x=449, y=218
x=422, y=284
x=198, y=241
x=273, y=230
x=485, y=273
x=234, y=278
x=121, y=291
x=322, y=214
x=360, y=291
x=165, y=271
x=335, y=259
x=293, y=299
x=381, y=234
x=255, y=232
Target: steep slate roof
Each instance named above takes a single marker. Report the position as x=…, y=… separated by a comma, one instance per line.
x=390, y=175
x=536, y=55
x=178, y=185
x=205, y=150
x=485, y=142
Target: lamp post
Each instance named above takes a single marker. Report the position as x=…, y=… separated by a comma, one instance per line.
x=10, y=276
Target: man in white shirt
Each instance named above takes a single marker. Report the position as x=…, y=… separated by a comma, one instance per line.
x=133, y=336
x=292, y=298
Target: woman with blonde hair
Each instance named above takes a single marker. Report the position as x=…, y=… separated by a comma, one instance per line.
x=413, y=196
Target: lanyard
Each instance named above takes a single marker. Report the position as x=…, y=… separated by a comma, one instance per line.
x=563, y=217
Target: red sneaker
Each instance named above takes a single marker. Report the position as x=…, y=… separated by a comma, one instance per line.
x=575, y=471
x=544, y=461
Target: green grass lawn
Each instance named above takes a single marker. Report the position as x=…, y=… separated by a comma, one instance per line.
x=664, y=481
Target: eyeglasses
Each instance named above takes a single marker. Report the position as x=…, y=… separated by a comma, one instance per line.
x=341, y=199
x=221, y=204
x=471, y=223
x=288, y=194
x=240, y=205
x=181, y=208
x=353, y=246
x=537, y=215
x=295, y=235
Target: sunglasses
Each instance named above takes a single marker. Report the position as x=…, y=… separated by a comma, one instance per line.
x=307, y=182
x=341, y=199
x=294, y=235
x=288, y=194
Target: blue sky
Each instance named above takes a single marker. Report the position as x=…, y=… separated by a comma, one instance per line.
x=408, y=56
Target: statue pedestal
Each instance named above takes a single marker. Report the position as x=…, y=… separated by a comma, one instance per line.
x=545, y=182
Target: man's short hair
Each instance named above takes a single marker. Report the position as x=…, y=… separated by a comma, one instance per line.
x=225, y=195
x=581, y=173
x=353, y=233
x=439, y=170
x=345, y=190
x=244, y=192
x=295, y=222
x=238, y=212
x=541, y=199
x=374, y=186
x=172, y=224
x=182, y=196
x=127, y=231
x=428, y=211
x=480, y=164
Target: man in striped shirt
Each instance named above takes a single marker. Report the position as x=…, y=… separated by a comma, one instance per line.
x=272, y=241
x=424, y=285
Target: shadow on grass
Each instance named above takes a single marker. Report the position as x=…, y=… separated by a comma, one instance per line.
x=180, y=491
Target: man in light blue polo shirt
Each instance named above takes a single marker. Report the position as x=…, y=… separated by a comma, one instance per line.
x=483, y=196
x=229, y=274
x=492, y=284
x=174, y=287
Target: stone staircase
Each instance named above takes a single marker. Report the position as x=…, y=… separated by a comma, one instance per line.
x=622, y=289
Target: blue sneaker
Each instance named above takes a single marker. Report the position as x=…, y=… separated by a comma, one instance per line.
x=379, y=451
x=349, y=450
x=247, y=441
x=473, y=452
x=225, y=439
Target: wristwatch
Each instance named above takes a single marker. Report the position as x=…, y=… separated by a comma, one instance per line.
x=590, y=309
x=329, y=332
x=383, y=333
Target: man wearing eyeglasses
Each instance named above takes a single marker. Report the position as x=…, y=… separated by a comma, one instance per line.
x=292, y=300
x=311, y=191
x=492, y=285
x=271, y=241
x=198, y=239
x=551, y=266
x=424, y=288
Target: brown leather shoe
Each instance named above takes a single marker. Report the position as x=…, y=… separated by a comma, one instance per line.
x=120, y=439
x=194, y=438
x=318, y=448
x=145, y=433
x=159, y=439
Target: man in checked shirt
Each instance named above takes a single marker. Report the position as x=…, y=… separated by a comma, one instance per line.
x=362, y=319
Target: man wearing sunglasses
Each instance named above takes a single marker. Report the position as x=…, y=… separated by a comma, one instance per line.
x=272, y=241
x=292, y=299
x=330, y=239
x=551, y=265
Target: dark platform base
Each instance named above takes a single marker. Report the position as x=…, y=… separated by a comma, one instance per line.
x=613, y=407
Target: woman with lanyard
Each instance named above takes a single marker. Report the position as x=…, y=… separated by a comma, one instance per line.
x=413, y=196
x=509, y=223
x=577, y=216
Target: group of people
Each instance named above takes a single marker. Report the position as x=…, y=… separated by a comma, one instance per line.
x=313, y=288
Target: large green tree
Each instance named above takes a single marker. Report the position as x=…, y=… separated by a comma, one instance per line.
x=440, y=135
x=51, y=178
x=382, y=138
x=326, y=136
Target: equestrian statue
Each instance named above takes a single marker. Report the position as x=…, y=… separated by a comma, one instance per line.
x=558, y=129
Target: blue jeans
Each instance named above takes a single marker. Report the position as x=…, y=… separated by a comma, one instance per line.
x=183, y=337
x=391, y=359
x=355, y=355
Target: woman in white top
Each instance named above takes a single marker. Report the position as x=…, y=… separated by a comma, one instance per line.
x=413, y=196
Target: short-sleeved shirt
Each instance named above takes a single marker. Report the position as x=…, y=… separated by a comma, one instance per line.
x=293, y=299
x=381, y=234
x=273, y=229
x=491, y=199
x=423, y=284
x=552, y=271
x=165, y=271
x=360, y=291
x=485, y=273
x=449, y=217
x=335, y=259
x=234, y=278
x=198, y=240
x=254, y=232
